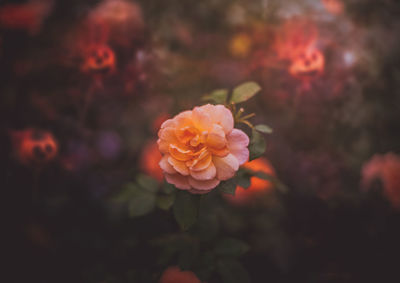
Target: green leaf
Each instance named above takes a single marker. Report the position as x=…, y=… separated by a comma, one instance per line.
x=231, y=247
x=148, y=183
x=168, y=188
x=244, y=92
x=127, y=191
x=264, y=176
x=218, y=96
x=228, y=187
x=243, y=180
x=231, y=271
x=141, y=203
x=263, y=129
x=185, y=209
x=165, y=201
x=257, y=145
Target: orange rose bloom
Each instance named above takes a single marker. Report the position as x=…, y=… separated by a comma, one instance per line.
x=257, y=186
x=149, y=161
x=201, y=148
x=175, y=275
x=387, y=168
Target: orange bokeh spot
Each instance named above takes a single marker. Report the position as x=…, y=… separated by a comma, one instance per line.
x=257, y=186
x=149, y=160
x=175, y=275
x=34, y=147
x=99, y=60
x=308, y=65
x=240, y=45
x=333, y=6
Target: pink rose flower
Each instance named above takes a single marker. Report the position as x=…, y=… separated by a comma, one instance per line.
x=200, y=148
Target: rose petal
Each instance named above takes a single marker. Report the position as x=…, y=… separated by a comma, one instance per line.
x=201, y=119
x=226, y=166
x=179, y=166
x=216, y=138
x=183, y=119
x=179, y=153
x=168, y=135
x=165, y=166
x=242, y=155
x=206, y=174
x=220, y=115
x=237, y=138
x=202, y=162
x=185, y=134
x=203, y=185
x=199, y=153
x=219, y=152
x=181, y=182
x=237, y=144
x=163, y=146
x=168, y=123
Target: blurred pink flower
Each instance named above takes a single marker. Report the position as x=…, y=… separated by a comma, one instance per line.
x=387, y=169
x=201, y=148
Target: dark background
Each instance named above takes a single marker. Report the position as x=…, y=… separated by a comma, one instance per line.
x=59, y=225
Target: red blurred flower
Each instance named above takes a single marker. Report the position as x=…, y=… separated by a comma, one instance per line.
x=295, y=37
x=296, y=42
x=34, y=147
x=149, y=160
x=28, y=16
x=308, y=65
x=174, y=275
x=387, y=169
x=99, y=59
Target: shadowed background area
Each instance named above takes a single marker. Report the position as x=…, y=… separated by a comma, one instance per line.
x=85, y=86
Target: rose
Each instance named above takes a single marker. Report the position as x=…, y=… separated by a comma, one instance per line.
x=201, y=148
x=174, y=275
